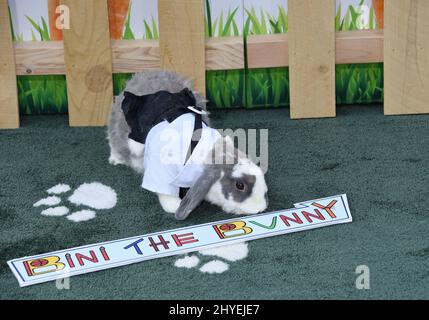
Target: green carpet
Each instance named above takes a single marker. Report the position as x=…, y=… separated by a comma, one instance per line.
x=382, y=163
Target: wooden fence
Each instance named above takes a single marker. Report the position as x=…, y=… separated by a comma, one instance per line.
x=311, y=49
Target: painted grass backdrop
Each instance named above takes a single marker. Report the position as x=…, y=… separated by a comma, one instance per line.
x=249, y=88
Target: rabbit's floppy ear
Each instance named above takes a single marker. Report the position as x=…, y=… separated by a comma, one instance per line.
x=198, y=191
x=223, y=156
x=130, y=107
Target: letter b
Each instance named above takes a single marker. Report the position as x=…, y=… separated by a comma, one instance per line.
x=43, y=265
x=232, y=229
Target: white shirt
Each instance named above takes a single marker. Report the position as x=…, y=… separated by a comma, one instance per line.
x=166, y=148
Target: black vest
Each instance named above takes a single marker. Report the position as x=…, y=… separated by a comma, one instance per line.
x=142, y=113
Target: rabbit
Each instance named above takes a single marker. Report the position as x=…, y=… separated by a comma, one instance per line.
x=226, y=177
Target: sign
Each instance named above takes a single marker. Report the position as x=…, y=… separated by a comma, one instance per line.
x=71, y=262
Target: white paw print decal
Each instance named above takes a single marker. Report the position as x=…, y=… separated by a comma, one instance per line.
x=93, y=195
x=225, y=254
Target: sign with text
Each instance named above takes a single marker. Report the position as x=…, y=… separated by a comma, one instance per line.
x=71, y=262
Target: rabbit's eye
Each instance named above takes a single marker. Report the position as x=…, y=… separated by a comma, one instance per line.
x=239, y=186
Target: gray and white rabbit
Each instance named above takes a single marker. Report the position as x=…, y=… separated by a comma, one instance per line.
x=227, y=178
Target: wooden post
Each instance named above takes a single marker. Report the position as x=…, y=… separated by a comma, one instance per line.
x=406, y=57
x=88, y=60
x=182, y=39
x=9, y=111
x=312, y=58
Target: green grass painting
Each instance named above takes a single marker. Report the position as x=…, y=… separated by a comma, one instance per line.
x=266, y=87
x=15, y=37
x=40, y=94
x=247, y=88
x=221, y=26
x=225, y=89
x=352, y=19
x=41, y=30
x=265, y=23
x=358, y=83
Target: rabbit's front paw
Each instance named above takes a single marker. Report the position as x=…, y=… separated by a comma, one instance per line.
x=170, y=204
x=115, y=159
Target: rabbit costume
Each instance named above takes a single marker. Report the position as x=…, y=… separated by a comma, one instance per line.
x=160, y=128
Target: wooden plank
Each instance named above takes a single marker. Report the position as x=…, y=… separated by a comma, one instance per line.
x=182, y=39
x=351, y=47
x=312, y=58
x=366, y=46
x=406, y=66
x=276, y=44
x=131, y=56
x=88, y=60
x=225, y=53
x=40, y=58
x=47, y=57
x=9, y=111
x=128, y=56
